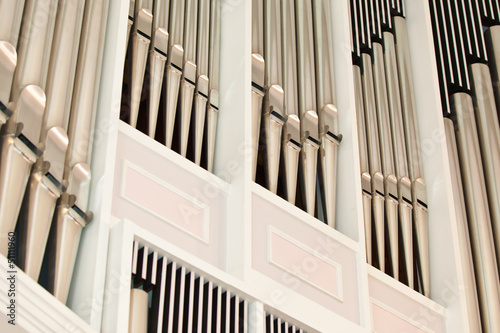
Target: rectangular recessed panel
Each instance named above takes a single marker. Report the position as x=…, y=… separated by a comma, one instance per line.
x=396, y=308
x=388, y=321
x=304, y=263
x=165, y=202
x=319, y=265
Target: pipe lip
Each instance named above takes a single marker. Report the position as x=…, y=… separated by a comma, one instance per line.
x=258, y=70
x=144, y=22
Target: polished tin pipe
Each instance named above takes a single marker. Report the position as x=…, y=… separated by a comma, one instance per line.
x=273, y=112
x=157, y=60
x=141, y=39
x=291, y=146
x=492, y=40
x=478, y=213
x=309, y=122
x=202, y=79
x=175, y=65
x=378, y=188
x=471, y=299
x=213, y=74
x=489, y=139
x=258, y=77
x=386, y=150
x=45, y=185
x=188, y=82
x=399, y=145
x=414, y=159
x=327, y=111
x=363, y=158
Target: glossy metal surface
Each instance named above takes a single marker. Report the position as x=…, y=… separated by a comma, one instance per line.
x=213, y=74
x=131, y=16
x=88, y=72
x=138, y=311
x=309, y=159
x=489, y=138
x=11, y=13
x=258, y=93
x=8, y=62
x=309, y=121
x=412, y=142
x=62, y=66
x=34, y=45
x=141, y=38
x=363, y=158
x=378, y=188
x=258, y=77
x=471, y=299
x=478, y=212
x=399, y=145
x=327, y=111
x=290, y=153
x=43, y=189
x=69, y=220
x=492, y=39
x=273, y=112
x=386, y=150
x=157, y=60
x=19, y=152
x=175, y=65
x=291, y=131
x=189, y=74
x=202, y=83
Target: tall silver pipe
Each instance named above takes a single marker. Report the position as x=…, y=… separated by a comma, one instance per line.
x=202, y=79
x=366, y=182
x=188, y=82
x=291, y=130
x=309, y=122
x=492, y=40
x=399, y=146
x=386, y=150
x=175, y=65
x=414, y=158
x=258, y=77
x=477, y=212
x=141, y=39
x=373, y=144
x=71, y=214
x=11, y=14
x=273, y=111
x=19, y=151
x=45, y=184
x=471, y=299
x=327, y=110
x=35, y=42
x=489, y=138
x=8, y=63
x=213, y=74
x=157, y=60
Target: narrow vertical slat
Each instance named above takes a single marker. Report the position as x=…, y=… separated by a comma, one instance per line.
x=158, y=302
x=135, y=255
x=179, y=299
x=171, y=297
x=236, y=315
x=201, y=295
x=190, y=300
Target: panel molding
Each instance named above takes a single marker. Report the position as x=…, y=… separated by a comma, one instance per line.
x=338, y=268
x=398, y=314
x=128, y=165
